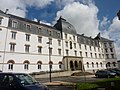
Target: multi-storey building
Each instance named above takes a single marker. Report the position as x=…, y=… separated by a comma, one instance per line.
x=29, y=46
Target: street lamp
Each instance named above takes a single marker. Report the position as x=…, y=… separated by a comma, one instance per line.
x=49, y=60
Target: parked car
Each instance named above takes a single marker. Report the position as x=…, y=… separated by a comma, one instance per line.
x=104, y=74
x=19, y=81
x=115, y=71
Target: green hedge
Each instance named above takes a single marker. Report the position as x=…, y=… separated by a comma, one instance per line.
x=86, y=86
x=109, y=84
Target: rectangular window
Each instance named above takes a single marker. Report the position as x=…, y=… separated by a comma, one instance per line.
x=50, y=50
x=28, y=27
x=27, y=37
x=65, y=36
x=110, y=44
x=12, y=47
x=80, y=53
x=66, y=42
x=67, y=52
x=26, y=67
x=39, y=39
x=112, y=55
x=91, y=55
x=90, y=48
x=1, y=20
x=107, y=56
x=14, y=24
x=27, y=48
x=80, y=46
x=74, y=38
x=13, y=36
x=50, y=33
x=59, y=51
x=39, y=49
x=85, y=47
x=95, y=55
x=94, y=48
x=105, y=44
x=10, y=66
x=59, y=42
x=86, y=54
x=39, y=30
x=106, y=50
x=50, y=41
x=74, y=45
x=75, y=53
x=99, y=55
x=111, y=49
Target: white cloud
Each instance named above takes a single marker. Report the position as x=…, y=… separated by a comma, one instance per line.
x=83, y=17
x=15, y=7
x=114, y=34
x=38, y=3
x=19, y=7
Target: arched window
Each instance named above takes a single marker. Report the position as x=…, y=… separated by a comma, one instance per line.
x=26, y=64
x=60, y=64
x=114, y=64
x=92, y=64
x=108, y=64
x=87, y=64
x=97, y=64
x=50, y=64
x=39, y=63
x=10, y=64
x=101, y=64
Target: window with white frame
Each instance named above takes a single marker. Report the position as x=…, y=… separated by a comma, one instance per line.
x=12, y=47
x=39, y=39
x=10, y=66
x=74, y=45
x=67, y=52
x=87, y=64
x=13, y=36
x=95, y=55
x=80, y=46
x=80, y=53
x=28, y=27
x=59, y=42
x=26, y=66
x=39, y=49
x=66, y=43
x=86, y=54
x=14, y=24
x=75, y=53
x=59, y=51
x=27, y=48
x=92, y=64
x=27, y=37
x=91, y=55
x=1, y=20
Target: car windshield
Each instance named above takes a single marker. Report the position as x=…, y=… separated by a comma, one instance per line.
x=25, y=79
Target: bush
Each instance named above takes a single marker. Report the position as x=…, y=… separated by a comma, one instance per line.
x=86, y=86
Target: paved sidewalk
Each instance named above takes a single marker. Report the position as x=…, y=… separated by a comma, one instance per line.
x=59, y=83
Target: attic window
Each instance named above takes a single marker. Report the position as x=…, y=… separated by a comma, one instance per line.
x=1, y=20
x=28, y=27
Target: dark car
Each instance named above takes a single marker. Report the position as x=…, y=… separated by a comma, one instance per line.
x=104, y=74
x=115, y=71
x=19, y=81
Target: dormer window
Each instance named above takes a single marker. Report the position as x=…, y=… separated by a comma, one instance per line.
x=28, y=27
x=1, y=20
x=14, y=24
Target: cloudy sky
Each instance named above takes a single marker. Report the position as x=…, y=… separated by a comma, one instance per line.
x=88, y=16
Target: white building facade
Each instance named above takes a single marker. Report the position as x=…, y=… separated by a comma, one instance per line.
x=28, y=46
